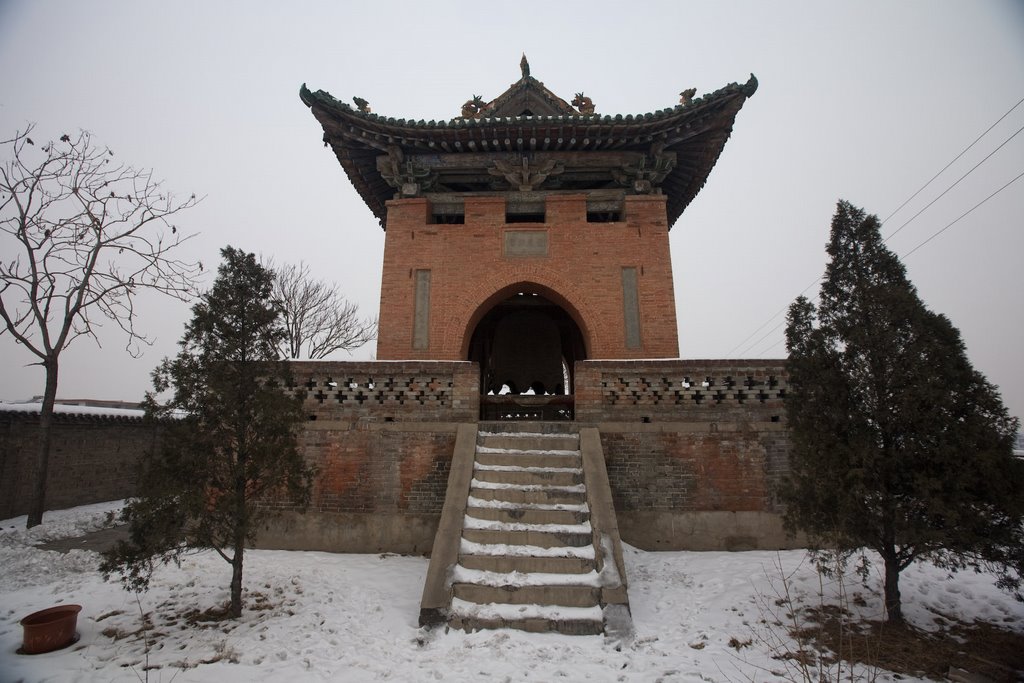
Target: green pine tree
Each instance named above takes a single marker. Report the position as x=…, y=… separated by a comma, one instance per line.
x=227, y=437
x=898, y=444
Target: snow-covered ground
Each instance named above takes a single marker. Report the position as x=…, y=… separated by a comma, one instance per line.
x=320, y=616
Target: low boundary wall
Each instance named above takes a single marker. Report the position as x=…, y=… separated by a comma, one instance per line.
x=93, y=458
x=695, y=452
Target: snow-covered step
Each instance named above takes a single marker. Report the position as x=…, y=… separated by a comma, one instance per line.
x=544, y=539
x=537, y=495
x=530, y=459
x=467, y=547
x=473, y=501
x=534, y=618
x=570, y=595
x=528, y=515
x=542, y=476
x=527, y=563
x=528, y=441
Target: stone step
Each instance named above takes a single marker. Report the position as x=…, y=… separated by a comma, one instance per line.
x=538, y=496
x=556, y=427
x=569, y=627
x=506, y=564
x=531, y=477
x=543, y=539
x=563, y=596
x=529, y=459
x=533, y=618
x=529, y=442
x=528, y=515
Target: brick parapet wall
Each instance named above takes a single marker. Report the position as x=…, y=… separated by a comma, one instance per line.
x=689, y=436
x=400, y=391
x=381, y=434
x=92, y=459
x=681, y=391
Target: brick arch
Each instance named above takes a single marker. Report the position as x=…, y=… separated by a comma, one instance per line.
x=467, y=312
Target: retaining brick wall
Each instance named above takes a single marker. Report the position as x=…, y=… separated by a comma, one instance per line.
x=689, y=445
x=381, y=436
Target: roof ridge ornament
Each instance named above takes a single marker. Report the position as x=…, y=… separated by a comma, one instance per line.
x=524, y=66
x=584, y=104
x=473, y=108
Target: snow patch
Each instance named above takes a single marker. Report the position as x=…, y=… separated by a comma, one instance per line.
x=469, y=522
x=584, y=552
x=537, y=470
x=533, y=435
x=496, y=611
x=475, y=502
x=482, y=577
x=497, y=485
x=523, y=451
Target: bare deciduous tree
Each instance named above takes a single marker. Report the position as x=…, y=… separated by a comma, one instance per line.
x=81, y=236
x=317, y=317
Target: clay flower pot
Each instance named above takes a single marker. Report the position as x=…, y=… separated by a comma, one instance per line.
x=49, y=629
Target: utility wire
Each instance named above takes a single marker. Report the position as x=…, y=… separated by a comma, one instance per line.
x=773, y=317
x=965, y=150
x=943, y=194
x=902, y=258
x=952, y=223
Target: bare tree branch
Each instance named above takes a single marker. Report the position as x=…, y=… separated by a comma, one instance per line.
x=81, y=236
x=317, y=317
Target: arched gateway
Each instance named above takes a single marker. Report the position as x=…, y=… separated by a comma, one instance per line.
x=528, y=189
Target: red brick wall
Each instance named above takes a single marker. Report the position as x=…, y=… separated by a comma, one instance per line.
x=380, y=434
x=688, y=436
x=582, y=272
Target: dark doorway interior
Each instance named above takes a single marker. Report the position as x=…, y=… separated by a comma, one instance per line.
x=527, y=342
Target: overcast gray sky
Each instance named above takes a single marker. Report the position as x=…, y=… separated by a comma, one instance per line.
x=864, y=101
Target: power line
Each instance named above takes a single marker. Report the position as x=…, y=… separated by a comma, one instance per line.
x=956, y=220
x=944, y=192
x=773, y=317
x=965, y=150
x=902, y=258
x=955, y=184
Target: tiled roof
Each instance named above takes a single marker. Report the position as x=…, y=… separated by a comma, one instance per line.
x=695, y=132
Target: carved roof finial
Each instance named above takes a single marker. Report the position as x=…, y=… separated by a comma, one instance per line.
x=362, y=104
x=524, y=66
x=686, y=97
x=584, y=104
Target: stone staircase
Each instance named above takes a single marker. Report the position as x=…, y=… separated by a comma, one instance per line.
x=530, y=553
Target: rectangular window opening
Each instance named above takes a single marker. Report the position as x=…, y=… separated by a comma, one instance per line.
x=604, y=216
x=449, y=218
x=532, y=217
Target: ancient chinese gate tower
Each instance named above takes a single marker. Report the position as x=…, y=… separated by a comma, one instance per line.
x=527, y=246
x=529, y=233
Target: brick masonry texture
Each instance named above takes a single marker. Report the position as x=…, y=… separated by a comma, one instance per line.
x=687, y=436
x=92, y=459
x=581, y=272
x=381, y=434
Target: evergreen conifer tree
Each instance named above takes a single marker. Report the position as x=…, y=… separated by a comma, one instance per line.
x=898, y=444
x=227, y=436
